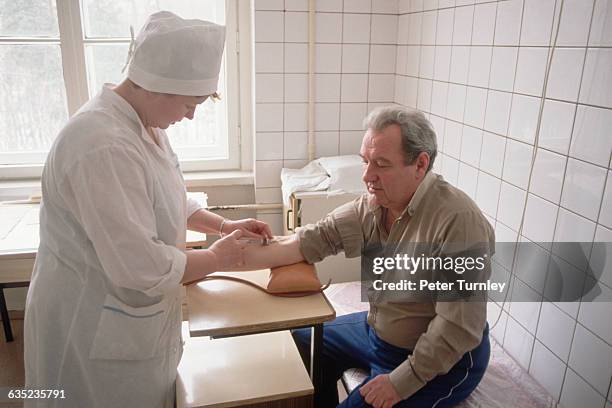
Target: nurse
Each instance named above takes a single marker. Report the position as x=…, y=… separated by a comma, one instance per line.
x=103, y=313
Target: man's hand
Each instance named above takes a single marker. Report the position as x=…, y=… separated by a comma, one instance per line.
x=379, y=392
x=250, y=228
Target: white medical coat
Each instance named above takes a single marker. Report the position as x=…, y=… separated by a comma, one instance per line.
x=103, y=311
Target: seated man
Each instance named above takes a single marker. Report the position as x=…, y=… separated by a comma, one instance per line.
x=420, y=353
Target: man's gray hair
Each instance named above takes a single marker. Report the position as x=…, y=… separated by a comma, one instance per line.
x=417, y=132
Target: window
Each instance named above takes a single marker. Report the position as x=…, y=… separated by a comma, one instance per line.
x=56, y=54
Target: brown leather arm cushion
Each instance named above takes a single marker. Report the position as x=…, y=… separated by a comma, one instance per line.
x=298, y=277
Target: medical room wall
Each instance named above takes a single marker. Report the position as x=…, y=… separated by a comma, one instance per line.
x=354, y=70
x=479, y=69
x=535, y=158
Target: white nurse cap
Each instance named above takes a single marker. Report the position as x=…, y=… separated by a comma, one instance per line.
x=176, y=56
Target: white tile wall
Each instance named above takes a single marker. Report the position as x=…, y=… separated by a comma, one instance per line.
x=540, y=218
x=605, y=215
x=487, y=195
x=508, y=23
x=356, y=28
x=517, y=163
x=564, y=79
x=583, y=188
x=475, y=106
x=524, y=117
x=479, y=67
x=439, y=95
x=555, y=330
x=503, y=68
x=547, y=368
x=358, y=6
x=518, y=342
x=442, y=63
x=296, y=27
x=595, y=315
x=591, y=140
x=498, y=112
x=511, y=204
x=556, y=126
x=492, y=155
x=427, y=57
x=468, y=179
x=462, y=31
x=456, y=102
x=296, y=5
x=460, y=62
x=295, y=146
x=355, y=58
x=484, y=23
x=296, y=58
x=601, y=28
x=596, y=88
x=578, y=393
x=596, y=365
x=537, y=22
x=444, y=31
x=530, y=70
x=296, y=88
x=329, y=28
x=548, y=172
x=574, y=30
x=471, y=145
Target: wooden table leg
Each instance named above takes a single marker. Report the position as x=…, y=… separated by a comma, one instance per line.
x=316, y=358
x=6, y=322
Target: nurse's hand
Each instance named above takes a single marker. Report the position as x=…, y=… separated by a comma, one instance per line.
x=229, y=251
x=250, y=228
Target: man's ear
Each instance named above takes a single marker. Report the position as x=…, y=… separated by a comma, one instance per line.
x=422, y=164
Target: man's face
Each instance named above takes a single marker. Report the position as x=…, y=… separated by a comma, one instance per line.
x=169, y=109
x=386, y=175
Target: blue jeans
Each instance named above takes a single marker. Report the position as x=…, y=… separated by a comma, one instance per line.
x=349, y=342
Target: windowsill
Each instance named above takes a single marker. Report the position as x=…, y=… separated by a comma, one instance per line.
x=218, y=178
x=21, y=189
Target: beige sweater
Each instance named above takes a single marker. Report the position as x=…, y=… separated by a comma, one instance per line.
x=439, y=333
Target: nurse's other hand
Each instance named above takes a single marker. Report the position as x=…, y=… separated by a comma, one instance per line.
x=250, y=228
x=229, y=251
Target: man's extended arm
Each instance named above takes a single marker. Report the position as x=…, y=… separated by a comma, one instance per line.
x=282, y=250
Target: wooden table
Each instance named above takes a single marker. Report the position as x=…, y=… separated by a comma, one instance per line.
x=19, y=239
x=18, y=245
x=221, y=308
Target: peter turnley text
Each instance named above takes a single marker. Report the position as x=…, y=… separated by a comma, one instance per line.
x=423, y=285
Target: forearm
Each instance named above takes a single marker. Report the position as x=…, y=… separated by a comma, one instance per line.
x=283, y=250
x=205, y=221
x=200, y=262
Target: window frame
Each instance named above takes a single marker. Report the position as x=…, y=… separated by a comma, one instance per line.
x=238, y=53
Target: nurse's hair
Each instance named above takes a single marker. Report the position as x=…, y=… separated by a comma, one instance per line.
x=417, y=132
x=214, y=96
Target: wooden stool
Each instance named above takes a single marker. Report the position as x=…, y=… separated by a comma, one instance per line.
x=352, y=378
x=259, y=370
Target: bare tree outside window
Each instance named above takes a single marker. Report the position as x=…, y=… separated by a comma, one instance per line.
x=34, y=85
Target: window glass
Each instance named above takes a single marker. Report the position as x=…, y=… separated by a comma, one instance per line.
x=112, y=18
x=204, y=137
x=28, y=18
x=32, y=100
